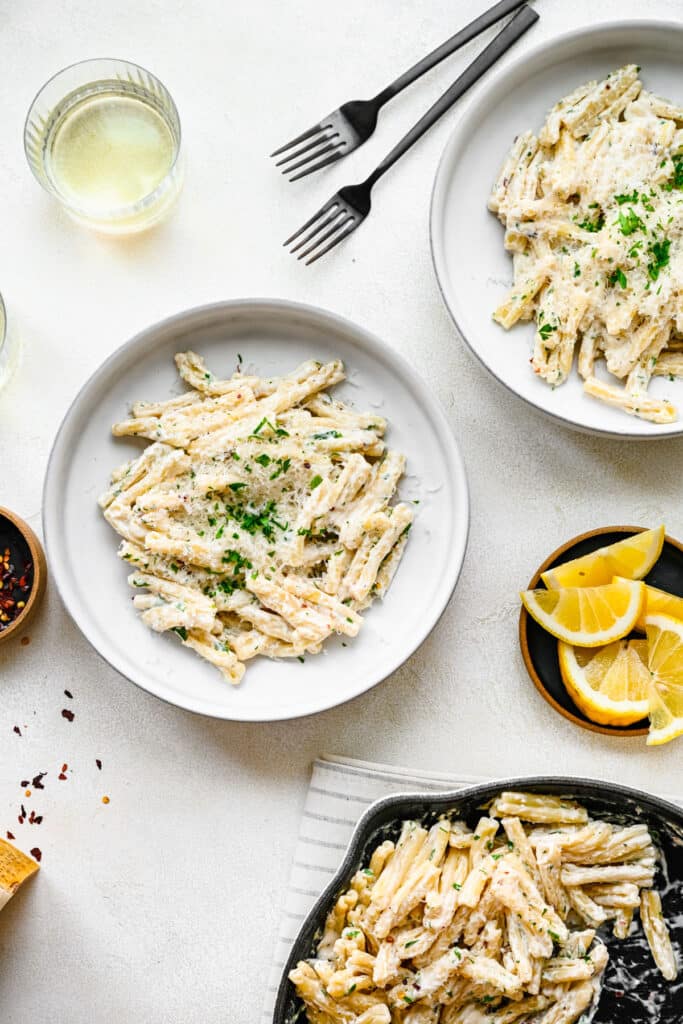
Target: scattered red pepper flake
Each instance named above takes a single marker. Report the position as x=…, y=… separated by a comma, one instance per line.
x=105, y=799
x=98, y=763
x=24, y=783
x=69, y=715
x=17, y=730
x=67, y=693
x=10, y=835
x=27, y=793
x=37, y=854
x=61, y=776
x=37, y=781
x=25, y=641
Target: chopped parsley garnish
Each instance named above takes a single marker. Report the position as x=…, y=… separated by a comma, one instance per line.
x=676, y=180
x=327, y=433
x=553, y=935
x=545, y=330
x=618, y=277
x=629, y=222
x=181, y=631
x=659, y=257
x=593, y=225
x=577, y=270
x=237, y=486
x=626, y=198
x=316, y=482
x=282, y=467
x=263, y=460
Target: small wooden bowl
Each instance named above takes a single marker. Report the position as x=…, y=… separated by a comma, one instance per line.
x=539, y=648
x=17, y=534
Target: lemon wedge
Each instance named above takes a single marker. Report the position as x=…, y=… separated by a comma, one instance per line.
x=609, y=684
x=15, y=868
x=631, y=558
x=665, y=661
x=587, y=616
x=659, y=602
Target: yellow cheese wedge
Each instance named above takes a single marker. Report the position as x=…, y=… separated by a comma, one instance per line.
x=15, y=868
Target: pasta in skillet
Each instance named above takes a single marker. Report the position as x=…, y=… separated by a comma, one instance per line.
x=593, y=215
x=260, y=519
x=492, y=926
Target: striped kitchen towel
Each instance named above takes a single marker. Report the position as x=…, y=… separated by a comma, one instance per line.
x=340, y=790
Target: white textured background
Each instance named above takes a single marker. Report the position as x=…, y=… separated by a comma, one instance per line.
x=162, y=906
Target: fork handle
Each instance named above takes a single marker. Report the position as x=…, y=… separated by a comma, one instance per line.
x=460, y=38
x=516, y=27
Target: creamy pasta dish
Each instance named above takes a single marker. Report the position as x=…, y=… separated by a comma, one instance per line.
x=593, y=214
x=260, y=518
x=450, y=925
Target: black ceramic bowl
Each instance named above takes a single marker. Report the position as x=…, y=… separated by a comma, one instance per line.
x=648, y=999
x=539, y=648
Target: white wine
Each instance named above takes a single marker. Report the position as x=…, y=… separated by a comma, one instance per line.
x=109, y=151
x=103, y=137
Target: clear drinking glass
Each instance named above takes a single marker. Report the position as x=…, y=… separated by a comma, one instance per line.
x=103, y=137
x=8, y=350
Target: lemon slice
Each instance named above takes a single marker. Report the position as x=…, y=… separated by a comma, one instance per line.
x=611, y=685
x=15, y=868
x=587, y=616
x=658, y=602
x=631, y=558
x=665, y=660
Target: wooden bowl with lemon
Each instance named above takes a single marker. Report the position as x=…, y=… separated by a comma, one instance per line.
x=601, y=632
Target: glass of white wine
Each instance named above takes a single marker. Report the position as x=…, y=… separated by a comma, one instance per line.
x=103, y=137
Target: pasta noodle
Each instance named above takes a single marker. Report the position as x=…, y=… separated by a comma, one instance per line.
x=449, y=926
x=592, y=210
x=260, y=520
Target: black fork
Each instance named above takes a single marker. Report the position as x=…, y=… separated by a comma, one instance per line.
x=349, y=207
x=348, y=127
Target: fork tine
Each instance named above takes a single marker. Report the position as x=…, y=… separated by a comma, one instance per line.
x=317, y=167
x=312, y=156
x=321, y=213
x=328, y=234
x=334, y=215
x=335, y=241
x=302, y=138
x=304, y=149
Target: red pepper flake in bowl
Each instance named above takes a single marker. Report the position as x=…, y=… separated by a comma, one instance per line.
x=16, y=578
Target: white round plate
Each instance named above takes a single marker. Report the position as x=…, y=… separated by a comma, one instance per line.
x=473, y=268
x=272, y=338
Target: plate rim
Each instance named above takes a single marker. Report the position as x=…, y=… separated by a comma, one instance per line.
x=290, y=309
x=438, y=187
x=474, y=790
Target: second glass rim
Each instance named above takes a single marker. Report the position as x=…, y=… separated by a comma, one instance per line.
x=129, y=208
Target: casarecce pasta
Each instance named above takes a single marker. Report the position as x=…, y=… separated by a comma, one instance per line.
x=491, y=925
x=593, y=216
x=260, y=520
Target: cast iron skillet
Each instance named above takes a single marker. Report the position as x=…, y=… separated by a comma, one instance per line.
x=644, y=999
